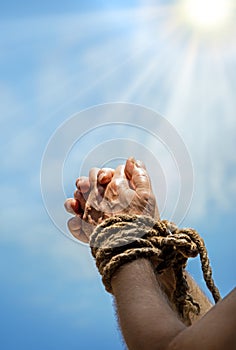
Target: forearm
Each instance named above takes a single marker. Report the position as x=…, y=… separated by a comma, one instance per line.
x=215, y=330
x=148, y=322
x=199, y=297
x=167, y=283
x=145, y=317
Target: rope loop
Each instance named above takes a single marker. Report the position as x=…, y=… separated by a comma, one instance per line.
x=124, y=238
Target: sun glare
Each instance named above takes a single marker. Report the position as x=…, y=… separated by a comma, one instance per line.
x=207, y=14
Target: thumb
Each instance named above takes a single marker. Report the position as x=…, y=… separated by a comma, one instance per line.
x=137, y=174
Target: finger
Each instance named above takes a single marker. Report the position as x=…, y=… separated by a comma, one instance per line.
x=118, y=183
x=83, y=184
x=94, y=197
x=82, y=192
x=105, y=175
x=94, y=186
x=130, y=164
x=136, y=172
x=93, y=177
x=118, y=195
x=75, y=227
x=81, y=199
x=119, y=178
x=72, y=206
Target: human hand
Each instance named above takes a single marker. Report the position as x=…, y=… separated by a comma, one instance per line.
x=106, y=193
x=78, y=227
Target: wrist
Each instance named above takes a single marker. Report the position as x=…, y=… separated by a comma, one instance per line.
x=123, y=239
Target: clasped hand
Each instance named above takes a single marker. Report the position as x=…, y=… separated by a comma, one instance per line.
x=108, y=192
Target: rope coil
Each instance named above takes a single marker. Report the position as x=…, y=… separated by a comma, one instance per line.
x=124, y=238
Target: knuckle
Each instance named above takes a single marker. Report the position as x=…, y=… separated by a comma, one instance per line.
x=146, y=195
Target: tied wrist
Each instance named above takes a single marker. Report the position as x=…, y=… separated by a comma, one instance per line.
x=125, y=238
x=119, y=240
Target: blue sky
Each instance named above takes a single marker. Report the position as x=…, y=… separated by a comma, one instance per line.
x=57, y=59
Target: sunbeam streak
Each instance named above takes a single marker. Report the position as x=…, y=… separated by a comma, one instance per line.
x=175, y=59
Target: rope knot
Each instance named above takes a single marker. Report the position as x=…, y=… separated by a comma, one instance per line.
x=124, y=238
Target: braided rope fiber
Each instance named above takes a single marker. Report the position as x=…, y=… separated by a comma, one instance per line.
x=124, y=238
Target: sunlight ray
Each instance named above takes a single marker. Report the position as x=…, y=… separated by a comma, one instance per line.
x=160, y=29
x=160, y=61
x=141, y=80
x=169, y=75
x=182, y=86
x=222, y=92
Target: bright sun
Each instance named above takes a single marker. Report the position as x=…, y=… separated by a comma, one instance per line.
x=207, y=14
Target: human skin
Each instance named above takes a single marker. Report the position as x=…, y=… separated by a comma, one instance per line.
x=143, y=298
x=148, y=322
x=127, y=190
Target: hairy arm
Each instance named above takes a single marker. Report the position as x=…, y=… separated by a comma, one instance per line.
x=148, y=322
x=167, y=284
x=198, y=296
x=146, y=319
x=215, y=330
x=144, y=299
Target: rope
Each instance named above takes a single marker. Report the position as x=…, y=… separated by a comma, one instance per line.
x=124, y=238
